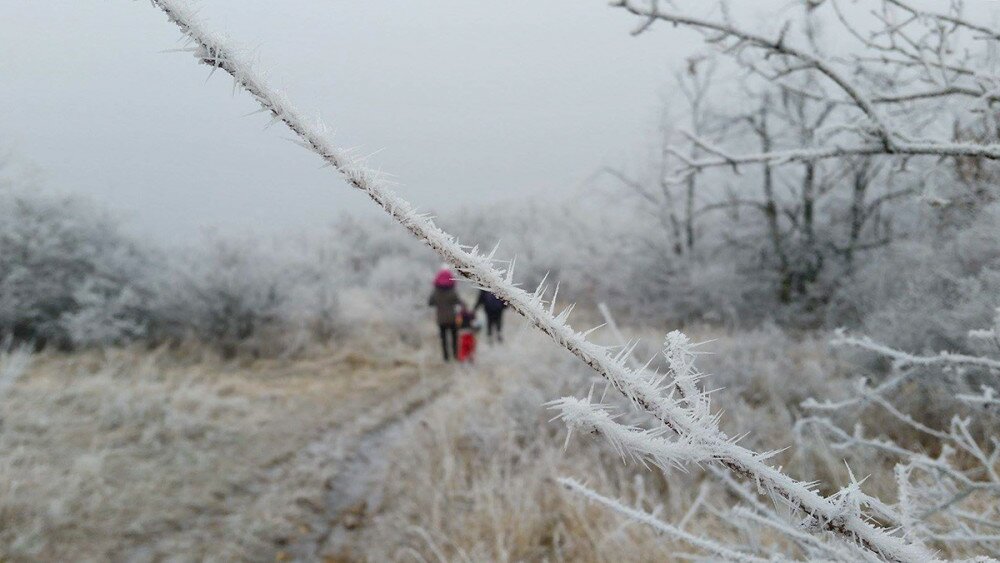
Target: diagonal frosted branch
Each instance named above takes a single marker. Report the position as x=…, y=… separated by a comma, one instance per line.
x=903, y=359
x=644, y=446
x=902, y=148
x=723, y=552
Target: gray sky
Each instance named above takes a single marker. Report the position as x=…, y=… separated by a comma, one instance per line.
x=469, y=102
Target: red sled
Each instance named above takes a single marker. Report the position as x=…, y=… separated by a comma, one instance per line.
x=466, y=347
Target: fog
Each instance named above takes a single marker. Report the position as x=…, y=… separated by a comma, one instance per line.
x=213, y=349
x=464, y=103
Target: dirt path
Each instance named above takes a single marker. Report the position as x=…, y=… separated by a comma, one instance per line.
x=330, y=476
x=356, y=452
x=150, y=457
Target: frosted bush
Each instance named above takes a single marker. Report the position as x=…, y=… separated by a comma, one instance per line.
x=228, y=292
x=107, y=314
x=921, y=297
x=359, y=246
x=64, y=266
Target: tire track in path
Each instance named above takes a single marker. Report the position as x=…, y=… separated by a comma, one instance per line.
x=355, y=450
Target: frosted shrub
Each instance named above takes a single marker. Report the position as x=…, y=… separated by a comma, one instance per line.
x=314, y=273
x=70, y=277
x=719, y=290
x=574, y=243
x=754, y=366
x=106, y=314
x=279, y=296
x=357, y=248
x=66, y=268
x=924, y=294
x=353, y=277
x=401, y=291
x=228, y=292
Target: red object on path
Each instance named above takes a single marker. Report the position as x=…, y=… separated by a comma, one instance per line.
x=466, y=346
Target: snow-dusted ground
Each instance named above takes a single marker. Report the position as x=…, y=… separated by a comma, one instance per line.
x=368, y=451
x=134, y=455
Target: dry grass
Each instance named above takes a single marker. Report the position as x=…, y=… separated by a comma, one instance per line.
x=365, y=452
x=472, y=477
x=136, y=455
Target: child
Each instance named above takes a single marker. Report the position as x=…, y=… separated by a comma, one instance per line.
x=494, y=307
x=468, y=326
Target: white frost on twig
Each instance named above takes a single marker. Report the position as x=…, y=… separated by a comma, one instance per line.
x=723, y=552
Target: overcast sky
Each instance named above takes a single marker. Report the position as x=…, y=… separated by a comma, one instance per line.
x=468, y=102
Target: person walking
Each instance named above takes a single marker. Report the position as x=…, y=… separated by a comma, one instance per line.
x=446, y=302
x=494, y=307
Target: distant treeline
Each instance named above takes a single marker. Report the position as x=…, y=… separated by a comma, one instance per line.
x=70, y=276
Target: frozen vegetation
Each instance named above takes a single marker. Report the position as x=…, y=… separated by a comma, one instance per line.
x=830, y=248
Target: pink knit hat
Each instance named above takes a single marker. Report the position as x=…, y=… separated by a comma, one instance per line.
x=444, y=279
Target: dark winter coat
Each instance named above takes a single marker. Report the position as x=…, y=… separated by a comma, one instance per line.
x=445, y=299
x=492, y=304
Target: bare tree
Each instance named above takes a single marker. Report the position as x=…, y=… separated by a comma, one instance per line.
x=695, y=83
x=913, y=57
x=801, y=236
x=673, y=202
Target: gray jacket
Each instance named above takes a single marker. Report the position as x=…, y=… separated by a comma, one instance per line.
x=445, y=300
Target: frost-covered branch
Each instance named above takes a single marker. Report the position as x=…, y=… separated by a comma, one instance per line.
x=723, y=552
x=903, y=359
x=631, y=443
x=779, y=157
x=988, y=397
x=955, y=18
x=940, y=497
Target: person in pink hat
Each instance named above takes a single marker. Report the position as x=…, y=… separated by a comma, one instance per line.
x=446, y=302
